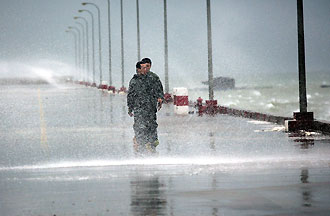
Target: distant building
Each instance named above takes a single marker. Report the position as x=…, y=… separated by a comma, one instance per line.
x=325, y=85
x=222, y=83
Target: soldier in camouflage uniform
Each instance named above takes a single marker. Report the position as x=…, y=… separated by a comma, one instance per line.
x=144, y=98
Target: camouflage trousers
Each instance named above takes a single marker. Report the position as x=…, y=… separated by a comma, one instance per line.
x=145, y=128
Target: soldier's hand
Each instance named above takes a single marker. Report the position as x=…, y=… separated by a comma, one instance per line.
x=159, y=105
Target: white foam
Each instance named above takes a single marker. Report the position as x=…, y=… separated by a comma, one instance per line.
x=258, y=122
x=256, y=93
x=269, y=106
x=230, y=103
x=192, y=161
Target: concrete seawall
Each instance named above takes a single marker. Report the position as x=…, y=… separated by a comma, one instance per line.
x=253, y=115
x=323, y=126
x=317, y=125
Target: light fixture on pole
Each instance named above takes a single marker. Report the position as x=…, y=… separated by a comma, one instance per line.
x=122, y=89
x=75, y=48
x=87, y=47
x=302, y=120
x=100, y=44
x=138, y=30
x=93, y=43
x=110, y=57
x=83, y=51
x=211, y=104
x=79, y=50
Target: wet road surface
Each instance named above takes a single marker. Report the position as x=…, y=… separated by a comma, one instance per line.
x=67, y=150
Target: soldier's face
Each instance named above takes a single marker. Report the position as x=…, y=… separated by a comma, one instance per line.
x=148, y=66
x=145, y=68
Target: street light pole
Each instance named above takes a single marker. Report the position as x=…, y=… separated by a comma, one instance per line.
x=93, y=43
x=75, y=48
x=138, y=30
x=301, y=57
x=83, y=48
x=209, y=48
x=87, y=46
x=110, y=62
x=122, y=43
x=166, y=48
x=302, y=120
x=100, y=46
x=79, y=48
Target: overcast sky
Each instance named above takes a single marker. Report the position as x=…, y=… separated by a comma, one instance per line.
x=250, y=37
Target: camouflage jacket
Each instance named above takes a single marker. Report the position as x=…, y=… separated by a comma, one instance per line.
x=143, y=92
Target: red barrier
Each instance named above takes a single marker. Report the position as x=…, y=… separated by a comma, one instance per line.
x=199, y=106
x=167, y=98
x=199, y=101
x=112, y=88
x=211, y=107
x=181, y=101
x=103, y=86
x=122, y=89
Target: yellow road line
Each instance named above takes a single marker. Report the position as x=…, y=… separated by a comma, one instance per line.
x=43, y=131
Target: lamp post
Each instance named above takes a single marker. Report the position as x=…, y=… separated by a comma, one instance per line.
x=138, y=30
x=211, y=104
x=302, y=120
x=122, y=44
x=100, y=46
x=109, y=31
x=83, y=50
x=75, y=48
x=166, y=48
x=301, y=57
x=209, y=48
x=79, y=48
x=93, y=44
x=87, y=46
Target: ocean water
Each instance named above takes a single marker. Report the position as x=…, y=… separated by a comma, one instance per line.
x=276, y=94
